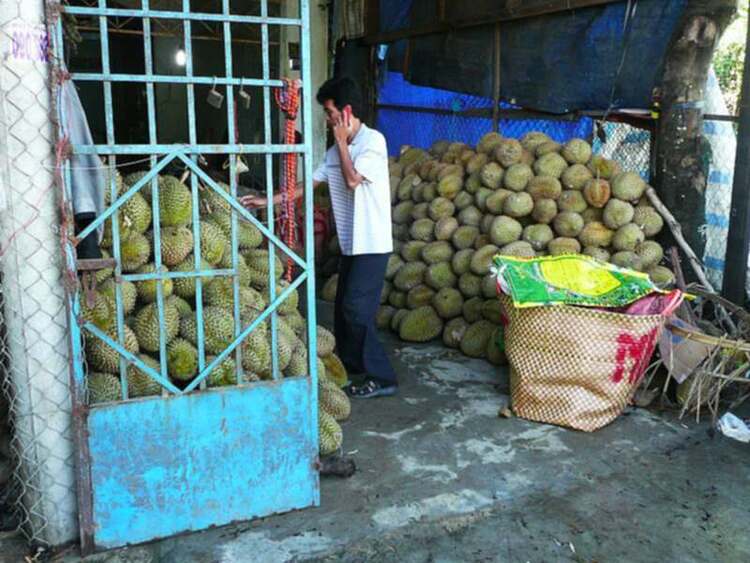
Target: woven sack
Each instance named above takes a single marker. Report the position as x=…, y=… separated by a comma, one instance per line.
x=573, y=366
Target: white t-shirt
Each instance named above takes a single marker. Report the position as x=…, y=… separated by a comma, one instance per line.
x=363, y=215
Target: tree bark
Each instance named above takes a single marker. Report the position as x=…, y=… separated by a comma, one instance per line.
x=738, y=239
x=682, y=151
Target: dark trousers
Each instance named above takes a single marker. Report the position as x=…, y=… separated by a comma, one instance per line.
x=357, y=300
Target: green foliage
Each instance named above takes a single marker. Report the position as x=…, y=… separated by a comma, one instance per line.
x=729, y=57
x=728, y=63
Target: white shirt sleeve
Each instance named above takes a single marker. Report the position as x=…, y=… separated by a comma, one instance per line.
x=372, y=163
x=321, y=173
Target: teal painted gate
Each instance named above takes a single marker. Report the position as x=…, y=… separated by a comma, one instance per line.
x=192, y=408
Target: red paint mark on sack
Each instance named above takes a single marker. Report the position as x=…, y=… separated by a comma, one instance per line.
x=639, y=350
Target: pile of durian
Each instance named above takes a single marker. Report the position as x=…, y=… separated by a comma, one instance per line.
x=141, y=328
x=455, y=207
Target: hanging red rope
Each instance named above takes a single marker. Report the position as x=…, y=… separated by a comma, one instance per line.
x=287, y=98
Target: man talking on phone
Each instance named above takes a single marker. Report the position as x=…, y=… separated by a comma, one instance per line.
x=356, y=170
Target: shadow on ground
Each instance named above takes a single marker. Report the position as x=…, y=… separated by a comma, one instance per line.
x=443, y=478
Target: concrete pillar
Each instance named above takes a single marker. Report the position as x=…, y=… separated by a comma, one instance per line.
x=33, y=298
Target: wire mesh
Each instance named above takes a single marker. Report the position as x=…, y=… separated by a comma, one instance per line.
x=9, y=486
x=35, y=433
x=628, y=145
x=722, y=145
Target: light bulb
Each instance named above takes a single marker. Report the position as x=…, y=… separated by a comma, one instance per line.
x=180, y=57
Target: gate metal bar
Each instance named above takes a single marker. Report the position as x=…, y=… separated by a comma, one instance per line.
x=269, y=170
x=94, y=479
x=231, y=110
x=189, y=16
x=111, y=150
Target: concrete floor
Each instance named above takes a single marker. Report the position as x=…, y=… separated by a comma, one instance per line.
x=442, y=478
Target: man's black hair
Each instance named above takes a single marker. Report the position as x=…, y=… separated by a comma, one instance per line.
x=344, y=92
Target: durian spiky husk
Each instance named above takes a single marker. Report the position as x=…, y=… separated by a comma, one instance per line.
x=330, y=434
x=333, y=400
x=335, y=370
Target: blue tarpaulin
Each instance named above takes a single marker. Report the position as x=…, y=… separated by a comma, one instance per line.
x=594, y=58
x=421, y=129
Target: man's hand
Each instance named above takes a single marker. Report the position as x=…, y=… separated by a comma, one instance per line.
x=341, y=132
x=254, y=202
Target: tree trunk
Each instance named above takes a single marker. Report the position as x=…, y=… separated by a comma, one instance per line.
x=738, y=243
x=682, y=151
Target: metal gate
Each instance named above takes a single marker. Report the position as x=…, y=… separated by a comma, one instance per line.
x=193, y=455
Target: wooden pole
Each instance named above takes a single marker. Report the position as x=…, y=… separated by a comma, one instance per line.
x=688, y=313
x=677, y=233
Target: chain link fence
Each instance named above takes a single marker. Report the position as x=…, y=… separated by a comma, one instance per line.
x=722, y=152
x=627, y=144
x=722, y=141
x=36, y=446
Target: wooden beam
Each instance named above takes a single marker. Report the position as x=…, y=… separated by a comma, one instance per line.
x=509, y=12
x=474, y=112
x=441, y=10
x=372, y=16
x=719, y=117
x=644, y=122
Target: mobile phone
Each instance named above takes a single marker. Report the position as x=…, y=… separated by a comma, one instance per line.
x=347, y=116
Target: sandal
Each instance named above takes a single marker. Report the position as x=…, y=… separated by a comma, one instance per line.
x=371, y=389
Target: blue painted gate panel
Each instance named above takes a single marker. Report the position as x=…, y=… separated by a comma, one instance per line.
x=164, y=466
x=194, y=457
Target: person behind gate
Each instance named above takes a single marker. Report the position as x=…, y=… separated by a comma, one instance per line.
x=356, y=170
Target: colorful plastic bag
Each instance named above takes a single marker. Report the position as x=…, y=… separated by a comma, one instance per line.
x=569, y=280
